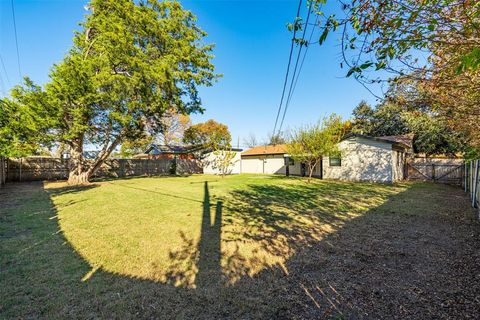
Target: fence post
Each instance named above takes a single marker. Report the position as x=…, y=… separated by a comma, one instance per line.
x=122, y=167
x=465, y=173
x=475, y=185
x=20, y=171
x=471, y=179
x=2, y=171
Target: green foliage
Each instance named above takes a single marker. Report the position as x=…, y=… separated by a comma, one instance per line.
x=310, y=143
x=404, y=112
x=386, y=119
x=130, y=148
x=362, y=114
x=25, y=119
x=208, y=135
x=223, y=160
x=387, y=35
x=432, y=136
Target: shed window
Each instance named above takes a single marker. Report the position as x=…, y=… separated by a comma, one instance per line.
x=290, y=161
x=335, y=161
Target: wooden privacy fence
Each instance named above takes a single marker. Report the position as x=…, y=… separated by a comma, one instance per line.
x=448, y=171
x=38, y=168
x=472, y=181
x=3, y=171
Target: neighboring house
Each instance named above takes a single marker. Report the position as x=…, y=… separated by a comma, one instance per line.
x=157, y=151
x=364, y=158
x=272, y=159
x=211, y=159
x=203, y=161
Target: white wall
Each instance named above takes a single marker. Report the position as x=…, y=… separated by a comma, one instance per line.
x=274, y=164
x=252, y=164
x=267, y=164
x=209, y=166
x=362, y=160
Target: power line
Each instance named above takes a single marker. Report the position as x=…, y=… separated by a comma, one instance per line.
x=288, y=66
x=292, y=90
x=5, y=71
x=16, y=40
x=2, y=86
x=295, y=70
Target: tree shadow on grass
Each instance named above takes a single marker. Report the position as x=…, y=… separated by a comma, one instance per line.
x=283, y=218
x=399, y=259
x=198, y=265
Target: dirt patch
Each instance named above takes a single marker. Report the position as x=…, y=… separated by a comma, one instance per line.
x=422, y=264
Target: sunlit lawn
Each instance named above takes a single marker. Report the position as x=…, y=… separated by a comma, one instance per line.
x=181, y=229
x=134, y=243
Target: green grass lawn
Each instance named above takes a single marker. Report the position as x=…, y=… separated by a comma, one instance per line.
x=186, y=230
x=168, y=246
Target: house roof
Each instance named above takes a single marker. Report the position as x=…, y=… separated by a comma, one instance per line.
x=404, y=141
x=227, y=149
x=161, y=148
x=263, y=150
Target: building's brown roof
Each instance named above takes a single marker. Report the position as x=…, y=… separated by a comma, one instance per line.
x=405, y=139
x=263, y=150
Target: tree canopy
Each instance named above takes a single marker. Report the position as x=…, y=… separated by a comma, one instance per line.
x=208, y=135
x=130, y=63
x=404, y=112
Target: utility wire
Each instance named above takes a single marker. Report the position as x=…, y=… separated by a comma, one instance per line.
x=288, y=67
x=291, y=91
x=295, y=70
x=16, y=40
x=5, y=71
x=2, y=86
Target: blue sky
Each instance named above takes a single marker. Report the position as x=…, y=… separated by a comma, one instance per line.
x=252, y=46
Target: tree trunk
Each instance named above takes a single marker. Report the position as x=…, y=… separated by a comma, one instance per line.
x=75, y=178
x=311, y=168
x=78, y=172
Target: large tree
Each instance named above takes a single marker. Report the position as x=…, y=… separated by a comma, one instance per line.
x=130, y=63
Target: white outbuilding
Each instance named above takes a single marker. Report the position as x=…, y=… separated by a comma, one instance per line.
x=365, y=158
x=362, y=158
